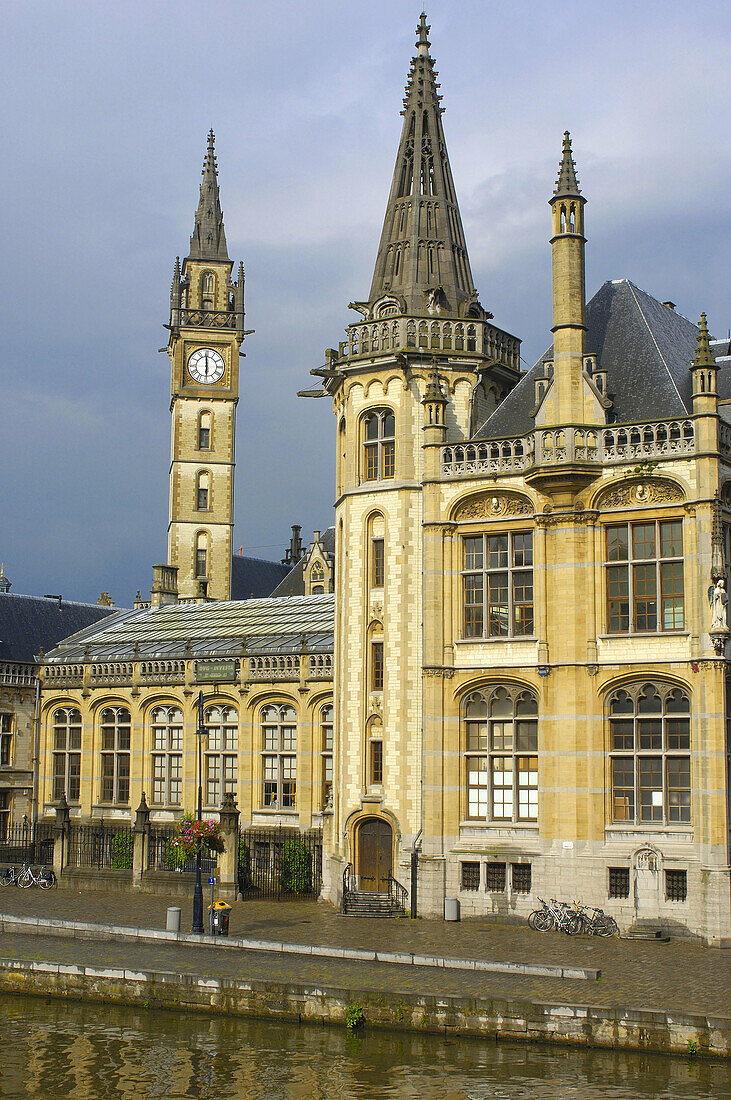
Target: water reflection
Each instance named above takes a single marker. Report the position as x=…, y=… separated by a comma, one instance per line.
x=87, y=1052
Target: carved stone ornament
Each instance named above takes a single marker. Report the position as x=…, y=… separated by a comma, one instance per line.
x=637, y=493
x=494, y=506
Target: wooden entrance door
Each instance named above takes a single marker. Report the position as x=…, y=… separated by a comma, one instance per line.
x=375, y=855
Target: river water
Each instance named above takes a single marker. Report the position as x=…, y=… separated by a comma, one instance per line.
x=95, y=1052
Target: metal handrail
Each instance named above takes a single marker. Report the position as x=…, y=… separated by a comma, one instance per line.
x=398, y=892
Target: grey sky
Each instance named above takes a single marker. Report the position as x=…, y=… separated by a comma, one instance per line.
x=107, y=107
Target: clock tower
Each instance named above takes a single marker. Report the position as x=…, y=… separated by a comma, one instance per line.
x=206, y=331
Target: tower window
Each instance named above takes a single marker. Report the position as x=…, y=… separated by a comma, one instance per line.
x=204, y=431
x=378, y=569
x=376, y=761
x=376, y=666
x=201, y=554
x=208, y=290
x=379, y=429
x=6, y=739
x=202, y=492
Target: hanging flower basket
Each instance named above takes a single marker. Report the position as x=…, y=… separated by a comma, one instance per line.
x=191, y=837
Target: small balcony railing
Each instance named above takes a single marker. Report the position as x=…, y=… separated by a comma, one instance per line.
x=625, y=443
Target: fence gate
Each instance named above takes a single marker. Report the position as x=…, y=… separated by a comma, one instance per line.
x=27, y=843
x=280, y=863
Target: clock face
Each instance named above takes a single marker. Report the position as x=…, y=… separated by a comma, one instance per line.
x=206, y=366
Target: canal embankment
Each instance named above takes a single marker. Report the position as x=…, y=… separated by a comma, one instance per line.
x=302, y=962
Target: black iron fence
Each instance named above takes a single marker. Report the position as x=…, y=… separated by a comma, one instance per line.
x=27, y=843
x=163, y=856
x=100, y=846
x=280, y=863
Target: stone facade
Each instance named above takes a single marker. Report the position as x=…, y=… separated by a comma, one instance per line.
x=537, y=660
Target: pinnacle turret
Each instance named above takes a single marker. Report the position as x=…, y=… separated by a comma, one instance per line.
x=567, y=183
x=209, y=238
x=704, y=356
x=422, y=258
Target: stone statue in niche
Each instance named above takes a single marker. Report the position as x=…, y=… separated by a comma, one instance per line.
x=718, y=598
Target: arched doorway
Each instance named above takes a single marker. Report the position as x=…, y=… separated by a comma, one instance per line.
x=374, y=846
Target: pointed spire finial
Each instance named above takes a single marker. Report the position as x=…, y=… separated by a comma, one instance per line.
x=703, y=356
x=567, y=183
x=209, y=238
x=422, y=31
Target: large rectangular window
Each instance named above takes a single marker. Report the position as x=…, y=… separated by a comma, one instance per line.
x=167, y=756
x=497, y=580
x=644, y=568
x=279, y=759
x=67, y=754
x=220, y=761
x=115, y=724
x=649, y=732
x=500, y=731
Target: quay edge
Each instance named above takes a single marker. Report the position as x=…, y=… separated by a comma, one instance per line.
x=486, y=1018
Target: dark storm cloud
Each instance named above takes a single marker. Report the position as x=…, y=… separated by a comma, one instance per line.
x=107, y=107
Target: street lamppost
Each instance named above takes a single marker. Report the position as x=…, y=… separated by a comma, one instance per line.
x=198, y=893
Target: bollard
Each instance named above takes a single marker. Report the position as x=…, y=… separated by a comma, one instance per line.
x=173, y=922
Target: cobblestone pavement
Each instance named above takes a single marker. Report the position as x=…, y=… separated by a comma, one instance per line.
x=675, y=976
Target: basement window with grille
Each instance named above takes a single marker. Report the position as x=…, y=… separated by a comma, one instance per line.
x=619, y=882
x=470, y=876
x=495, y=877
x=676, y=885
x=521, y=874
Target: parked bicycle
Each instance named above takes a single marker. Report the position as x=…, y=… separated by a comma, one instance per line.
x=573, y=920
x=554, y=916
x=42, y=876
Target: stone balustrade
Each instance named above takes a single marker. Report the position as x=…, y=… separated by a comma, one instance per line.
x=279, y=667
x=63, y=675
x=113, y=672
x=402, y=333
x=162, y=672
x=626, y=443
x=17, y=675
x=321, y=666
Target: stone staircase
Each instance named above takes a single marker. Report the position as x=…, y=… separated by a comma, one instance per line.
x=361, y=903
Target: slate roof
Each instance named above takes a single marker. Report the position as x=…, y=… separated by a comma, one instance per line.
x=294, y=584
x=254, y=578
x=646, y=349
x=31, y=623
x=218, y=628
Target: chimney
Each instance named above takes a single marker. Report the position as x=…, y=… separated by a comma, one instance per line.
x=164, y=584
x=294, y=552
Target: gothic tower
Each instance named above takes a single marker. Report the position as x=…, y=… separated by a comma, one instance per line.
x=417, y=369
x=206, y=332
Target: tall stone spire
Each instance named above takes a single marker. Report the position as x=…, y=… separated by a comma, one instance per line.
x=209, y=237
x=422, y=257
x=567, y=183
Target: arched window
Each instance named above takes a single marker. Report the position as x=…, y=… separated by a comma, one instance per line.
x=202, y=491
x=379, y=429
x=166, y=726
x=279, y=756
x=67, y=754
x=114, y=726
x=208, y=290
x=201, y=554
x=204, y=431
x=220, y=767
x=649, y=745
x=500, y=746
x=326, y=754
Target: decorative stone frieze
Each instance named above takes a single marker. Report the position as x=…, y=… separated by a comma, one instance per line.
x=640, y=493
x=494, y=506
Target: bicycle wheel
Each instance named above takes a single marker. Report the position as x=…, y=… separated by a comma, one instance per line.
x=25, y=880
x=6, y=878
x=607, y=927
x=542, y=920
x=572, y=924
x=47, y=880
